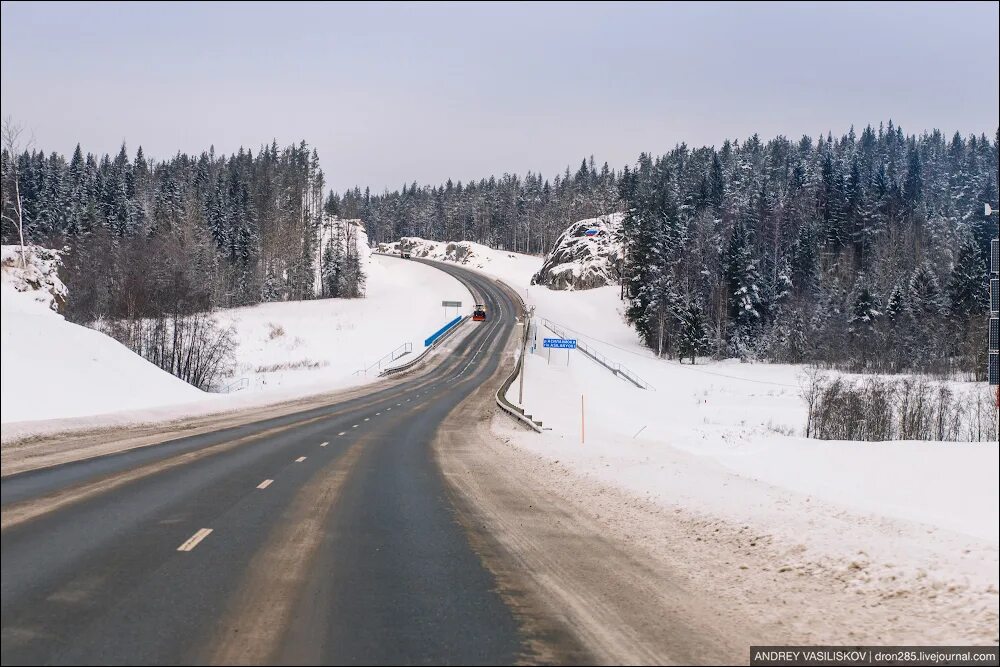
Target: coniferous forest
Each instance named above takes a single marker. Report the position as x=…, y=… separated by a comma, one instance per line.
x=866, y=251
x=183, y=235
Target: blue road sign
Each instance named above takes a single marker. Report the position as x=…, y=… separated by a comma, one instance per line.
x=568, y=343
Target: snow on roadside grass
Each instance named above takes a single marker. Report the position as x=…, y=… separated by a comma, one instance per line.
x=720, y=444
x=746, y=417
x=324, y=341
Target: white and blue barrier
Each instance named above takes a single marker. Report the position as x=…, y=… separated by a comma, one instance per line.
x=442, y=331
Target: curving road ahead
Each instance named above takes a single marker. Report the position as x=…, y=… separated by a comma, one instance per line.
x=323, y=536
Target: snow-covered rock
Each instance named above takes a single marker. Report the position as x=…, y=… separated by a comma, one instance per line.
x=585, y=256
x=514, y=267
x=35, y=274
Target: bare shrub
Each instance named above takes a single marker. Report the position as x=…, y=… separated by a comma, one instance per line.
x=877, y=409
x=195, y=348
x=292, y=365
x=276, y=331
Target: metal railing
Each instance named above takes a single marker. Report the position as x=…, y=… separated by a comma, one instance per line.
x=618, y=369
x=420, y=357
x=513, y=410
x=387, y=359
x=238, y=385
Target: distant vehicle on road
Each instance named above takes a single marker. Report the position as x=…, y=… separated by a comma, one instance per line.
x=405, y=254
x=479, y=313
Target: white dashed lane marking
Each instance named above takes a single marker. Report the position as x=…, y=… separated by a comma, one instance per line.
x=323, y=444
x=300, y=459
x=266, y=483
x=195, y=539
x=342, y=433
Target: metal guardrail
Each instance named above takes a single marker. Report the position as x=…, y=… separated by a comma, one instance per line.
x=612, y=365
x=399, y=352
x=392, y=370
x=516, y=411
x=442, y=331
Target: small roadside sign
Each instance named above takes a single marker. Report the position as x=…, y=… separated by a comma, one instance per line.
x=567, y=343
x=451, y=304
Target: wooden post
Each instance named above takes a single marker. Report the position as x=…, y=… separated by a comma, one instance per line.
x=524, y=365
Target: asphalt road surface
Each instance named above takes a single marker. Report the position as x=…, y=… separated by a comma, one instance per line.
x=324, y=536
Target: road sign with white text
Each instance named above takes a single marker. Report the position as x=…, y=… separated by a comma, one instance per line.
x=567, y=343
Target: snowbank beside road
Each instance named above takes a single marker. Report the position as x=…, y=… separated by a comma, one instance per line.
x=908, y=529
x=746, y=417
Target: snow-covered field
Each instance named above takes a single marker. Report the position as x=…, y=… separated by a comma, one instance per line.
x=321, y=344
x=747, y=418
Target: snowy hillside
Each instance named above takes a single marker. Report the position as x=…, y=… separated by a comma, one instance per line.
x=52, y=368
x=514, y=267
x=585, y=256
x=321, y=343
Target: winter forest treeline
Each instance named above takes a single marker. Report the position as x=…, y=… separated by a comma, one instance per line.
x=184, y=235
x=861, y=252
x=865, y=252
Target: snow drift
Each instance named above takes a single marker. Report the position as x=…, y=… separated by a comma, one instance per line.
x=585, y=256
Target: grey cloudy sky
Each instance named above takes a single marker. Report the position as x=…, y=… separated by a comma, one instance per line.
x=401, y=92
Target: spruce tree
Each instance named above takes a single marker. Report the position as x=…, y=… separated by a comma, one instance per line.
x=967, y=286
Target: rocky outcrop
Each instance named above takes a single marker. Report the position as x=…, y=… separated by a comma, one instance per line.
x=585, y=256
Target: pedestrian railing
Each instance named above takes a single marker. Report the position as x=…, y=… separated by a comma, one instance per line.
x=387, y=359
x=618, y=369
x=238, y=385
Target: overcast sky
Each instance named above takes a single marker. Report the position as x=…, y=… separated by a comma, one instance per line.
x=401, y=92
